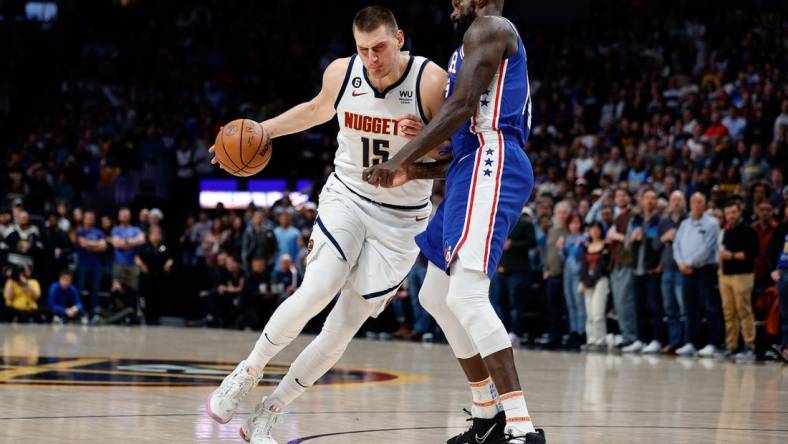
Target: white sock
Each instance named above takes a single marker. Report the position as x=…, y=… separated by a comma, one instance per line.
x=485, y=399
x=517, y=418
x=285, y=393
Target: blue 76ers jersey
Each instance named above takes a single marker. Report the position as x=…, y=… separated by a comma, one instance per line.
x=490, y=178
x=504, y=106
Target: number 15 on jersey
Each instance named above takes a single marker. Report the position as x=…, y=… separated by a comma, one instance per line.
x=375, y=151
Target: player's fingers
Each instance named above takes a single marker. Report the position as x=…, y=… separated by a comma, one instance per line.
x=386, y=183
x=410, y=131
x=410, y=125
x=408, y=117
x=379, y=177
x=214, y=161
x=370, y=175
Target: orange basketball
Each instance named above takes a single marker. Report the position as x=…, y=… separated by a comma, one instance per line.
x=242, y=147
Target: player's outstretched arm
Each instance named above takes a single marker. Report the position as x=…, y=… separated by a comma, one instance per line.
x=485, y=45
x=317, y=111
x=433, y=85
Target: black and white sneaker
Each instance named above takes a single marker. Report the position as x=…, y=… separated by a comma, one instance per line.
x=483, y=431
x=529, y=438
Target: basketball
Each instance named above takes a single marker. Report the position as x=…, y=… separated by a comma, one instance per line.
x=242, y=147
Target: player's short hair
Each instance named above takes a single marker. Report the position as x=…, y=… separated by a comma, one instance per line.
x=373, y=17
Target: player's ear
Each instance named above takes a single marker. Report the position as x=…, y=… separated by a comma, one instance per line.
x=400, y=39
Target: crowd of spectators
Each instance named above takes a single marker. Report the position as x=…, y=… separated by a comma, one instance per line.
x=659, y=144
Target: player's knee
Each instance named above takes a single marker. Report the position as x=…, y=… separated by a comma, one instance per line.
x=433, y=303
x=333, y=344
x=461, y=306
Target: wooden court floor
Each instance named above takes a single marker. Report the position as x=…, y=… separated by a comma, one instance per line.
x=147, y=385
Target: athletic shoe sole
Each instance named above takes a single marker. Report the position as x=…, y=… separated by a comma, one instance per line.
x=213, y=415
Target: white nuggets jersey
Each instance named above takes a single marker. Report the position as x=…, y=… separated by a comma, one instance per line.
x=369, y=134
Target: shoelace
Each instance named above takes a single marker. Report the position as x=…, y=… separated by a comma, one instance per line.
x=236, y=386
x=263, y=426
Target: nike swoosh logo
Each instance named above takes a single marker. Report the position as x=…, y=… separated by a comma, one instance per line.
x=356, y=93
x=269, y=340
x=419, y=219
x=299, y=383
x=484, y=437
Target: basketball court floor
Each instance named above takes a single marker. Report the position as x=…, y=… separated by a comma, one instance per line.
x=62, y=384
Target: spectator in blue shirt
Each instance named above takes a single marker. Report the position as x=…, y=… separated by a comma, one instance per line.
x=91, y=245
x=126, y=240
x=695, y=250
x=64, y=300
x=286, y=237
x=285, y=280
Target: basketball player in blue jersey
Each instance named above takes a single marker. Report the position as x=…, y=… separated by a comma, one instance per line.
x=487, y=116
x=362, y=245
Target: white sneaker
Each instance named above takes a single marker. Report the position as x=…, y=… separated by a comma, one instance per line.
x=608, y=340
x=428, y=337
x=634, y=347
x=257, y=427
x=745, y=355
x=687, y=350
x=652, y=348
x=224, y=400
x=708, y=351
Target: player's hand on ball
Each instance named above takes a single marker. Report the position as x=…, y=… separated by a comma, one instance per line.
x=212, y=152
x=214, y=160
x=409, y=126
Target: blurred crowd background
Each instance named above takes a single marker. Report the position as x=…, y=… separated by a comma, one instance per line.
x=659, y=143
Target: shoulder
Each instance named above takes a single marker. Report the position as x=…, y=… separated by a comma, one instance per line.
x=337, y=69
x=488, y=28
x=433, y=72
x=433, y=76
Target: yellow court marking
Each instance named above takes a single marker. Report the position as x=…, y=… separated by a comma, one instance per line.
x=22, y=370
x=10, y=378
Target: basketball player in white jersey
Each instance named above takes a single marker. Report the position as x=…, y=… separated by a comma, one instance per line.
x=362, y=245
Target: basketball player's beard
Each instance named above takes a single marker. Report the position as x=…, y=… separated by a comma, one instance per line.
x=464, y=22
